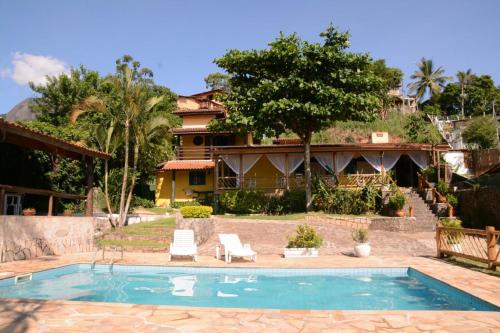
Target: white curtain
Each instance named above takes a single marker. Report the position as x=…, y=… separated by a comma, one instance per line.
x=233, y=161
x=342, y=160
x=374, y=159
x=325, y=160
x=421, y=158
x=249, y=161
x=456, y=161
x=279, y=160
x=390, y=159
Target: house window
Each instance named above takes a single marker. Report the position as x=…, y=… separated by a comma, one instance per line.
x=197, y=177
x=198, y=140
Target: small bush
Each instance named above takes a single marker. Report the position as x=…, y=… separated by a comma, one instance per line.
x=141, y=202
x=360, y=235
x=430, y=174
x=256, y=202
x=442, y=187
x=397, y=201
x=452, y=200
x=453, y=237
x=196, y=211
x=306, y=237
x=179, y=204
x=481, y=133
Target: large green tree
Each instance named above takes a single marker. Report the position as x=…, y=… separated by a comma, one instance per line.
x=464, y=79
x=298, y=86
x=391, y=79
x=427, y=79
x=481, y=133
x=217, y=80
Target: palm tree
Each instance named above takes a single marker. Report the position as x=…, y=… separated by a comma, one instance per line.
x=133, y=122
x=427, y=79
x=464, y=79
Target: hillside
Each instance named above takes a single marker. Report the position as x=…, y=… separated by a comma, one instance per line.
x=21, y=111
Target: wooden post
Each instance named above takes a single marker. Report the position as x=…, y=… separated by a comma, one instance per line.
x=439, y=254
x=51, y=205
x=172, y=196
x=438, y=166
x=287, y=175
x=2, y=200
x=491, y=244
x=216, y=174
x=241, y=171
x=89, y=186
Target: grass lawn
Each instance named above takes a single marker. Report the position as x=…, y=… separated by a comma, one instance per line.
x=294, y=217
x=473, y=265
x=157, y=210
x=163, y=227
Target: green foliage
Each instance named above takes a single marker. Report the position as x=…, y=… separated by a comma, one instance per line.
x=481, y=133
x=392, y=77
x=337, y=200
x=360, y=235
x=442, y=187
x=396, y=201
x=256, y=202
x=141, y=202
x=452, y=237
x=433, y=110
x=196, y=211
x=306, y=237
x=418, y=130
x=452, y=200
x=180, y=204
x=430, y=174
x=217, y=80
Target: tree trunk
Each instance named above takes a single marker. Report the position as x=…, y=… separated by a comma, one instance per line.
x=106, y=194
x=123, y=213
x=462, y=97
x=307, y=170
x=133, y=178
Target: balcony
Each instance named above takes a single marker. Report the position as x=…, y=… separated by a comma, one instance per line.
x=194, y=153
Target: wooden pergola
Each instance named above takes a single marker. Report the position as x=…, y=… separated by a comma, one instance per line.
x=22, y=136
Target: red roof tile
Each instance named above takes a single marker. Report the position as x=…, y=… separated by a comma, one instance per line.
x=188, y=165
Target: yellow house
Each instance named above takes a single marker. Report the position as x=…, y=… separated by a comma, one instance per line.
x=208, y=163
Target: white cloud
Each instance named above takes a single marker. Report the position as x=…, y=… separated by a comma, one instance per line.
x=28, y=67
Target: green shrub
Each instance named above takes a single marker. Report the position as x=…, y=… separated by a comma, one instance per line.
x=430, y=174
x=481, y=133
x=452, y=200
x=360, y=235
x=397, y=201
x=179, y=204
x=452, y=237
x=142, y=202
x=442, y=187
x=306, y=237
x=256, y=202
x=293, y=201
x=196, y=211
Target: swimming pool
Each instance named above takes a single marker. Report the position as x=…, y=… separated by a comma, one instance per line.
x=318, y=289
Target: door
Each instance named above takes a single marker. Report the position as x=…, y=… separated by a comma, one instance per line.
x=12, y=204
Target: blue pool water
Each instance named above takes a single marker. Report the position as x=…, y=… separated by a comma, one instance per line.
x=347, y=289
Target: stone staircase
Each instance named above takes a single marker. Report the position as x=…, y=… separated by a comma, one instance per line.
x=426, y=219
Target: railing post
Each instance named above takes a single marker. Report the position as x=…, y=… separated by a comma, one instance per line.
x=491, y=245
x=51, y=205
x=439, y=254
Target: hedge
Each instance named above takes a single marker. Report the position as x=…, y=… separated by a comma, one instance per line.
x=196, y=211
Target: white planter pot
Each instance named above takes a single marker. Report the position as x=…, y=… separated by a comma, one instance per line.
x=300, y=252
x=362, y=250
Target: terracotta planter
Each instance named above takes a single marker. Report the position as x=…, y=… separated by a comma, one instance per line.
x=68, y=212
x=441, y=199
x=29, y=212
x=451, y=211
x=400, y=213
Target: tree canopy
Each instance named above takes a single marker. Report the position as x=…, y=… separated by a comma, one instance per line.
x=427, y=79
x=294, y=85
x=217, y=80
x=481, y=133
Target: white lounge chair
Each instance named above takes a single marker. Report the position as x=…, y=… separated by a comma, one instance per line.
x=183, y=244
x=233, y=248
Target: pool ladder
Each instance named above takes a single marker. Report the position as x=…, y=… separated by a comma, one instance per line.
x=112, y=259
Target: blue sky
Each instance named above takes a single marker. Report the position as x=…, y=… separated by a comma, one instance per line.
x=178, y=40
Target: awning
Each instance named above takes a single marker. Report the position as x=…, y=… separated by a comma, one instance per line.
x=188, y=165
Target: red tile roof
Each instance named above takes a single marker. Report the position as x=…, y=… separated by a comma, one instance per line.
x=188, y=165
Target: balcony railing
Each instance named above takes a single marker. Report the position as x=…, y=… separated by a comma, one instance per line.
x=194, y=153
x=298, y=181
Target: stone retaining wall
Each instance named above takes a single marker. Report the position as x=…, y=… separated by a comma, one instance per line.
x=26, y=237
x=203, y=228
x=351, y=222
x=399, y=224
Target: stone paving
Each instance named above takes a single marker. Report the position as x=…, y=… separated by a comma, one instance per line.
x=71, y=316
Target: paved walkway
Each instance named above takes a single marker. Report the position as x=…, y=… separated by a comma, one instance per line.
x=271, y=236
x=70, y=316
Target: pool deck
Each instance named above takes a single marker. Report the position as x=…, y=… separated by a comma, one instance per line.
x=70, y=316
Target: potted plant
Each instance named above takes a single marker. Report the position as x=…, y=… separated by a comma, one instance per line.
x=362, y=248
x=29, y=211
x=396, y=204
x=442, y=188
x=304, y=244
x=453, y=201
x=453, y=239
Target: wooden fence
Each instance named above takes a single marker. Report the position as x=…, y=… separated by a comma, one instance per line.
x=474, y=244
